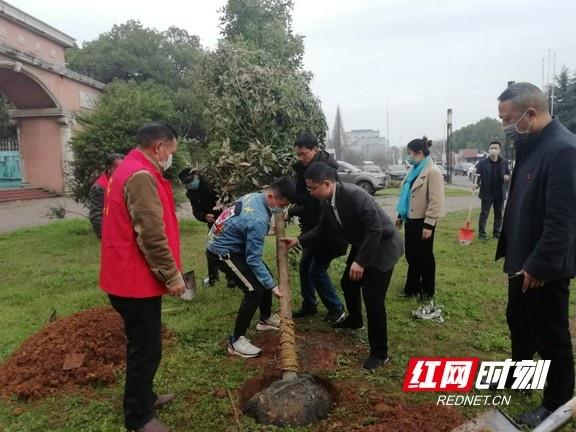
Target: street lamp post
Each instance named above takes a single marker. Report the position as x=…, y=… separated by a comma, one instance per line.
x=449, y=145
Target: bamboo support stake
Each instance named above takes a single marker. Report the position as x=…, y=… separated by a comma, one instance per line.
x=288, y=356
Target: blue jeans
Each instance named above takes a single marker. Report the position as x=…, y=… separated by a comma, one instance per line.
x=314, y=278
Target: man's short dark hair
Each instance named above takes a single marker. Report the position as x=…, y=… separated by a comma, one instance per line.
x=307, y=140
x=496, y=142
x=187, y=175
x=524, y=95
x=319, y=172
x=151, y=132
x=285, y=187
x=111, y=158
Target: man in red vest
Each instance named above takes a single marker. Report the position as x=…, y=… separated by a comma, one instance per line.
x=141, y=262
x=98, y=190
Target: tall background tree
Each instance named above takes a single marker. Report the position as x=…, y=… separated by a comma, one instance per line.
x=123, y=108
x=239, y=108
x=478, y=135
x=337, y=139
x=260, y=97
x=151, y=75
x=172, y=58
x=565, y=99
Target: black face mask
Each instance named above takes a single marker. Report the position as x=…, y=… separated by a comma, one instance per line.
x=514, y=134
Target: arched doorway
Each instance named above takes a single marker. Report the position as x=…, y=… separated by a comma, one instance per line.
x=40, y=153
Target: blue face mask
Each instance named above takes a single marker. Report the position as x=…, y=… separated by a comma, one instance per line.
x=194, y=184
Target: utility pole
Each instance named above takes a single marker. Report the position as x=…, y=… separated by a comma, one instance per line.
x=449, y=144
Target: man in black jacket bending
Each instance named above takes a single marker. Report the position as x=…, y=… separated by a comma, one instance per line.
x=538, y=240
x=316, y=256
x=376, y=248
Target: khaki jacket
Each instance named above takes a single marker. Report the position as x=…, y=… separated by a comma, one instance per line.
x=427, y=195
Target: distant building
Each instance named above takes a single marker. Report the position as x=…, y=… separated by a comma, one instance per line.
x=470, y=155
x=366, y=142
x=46, y=97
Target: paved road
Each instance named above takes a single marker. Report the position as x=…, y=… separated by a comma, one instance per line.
x=23, y=214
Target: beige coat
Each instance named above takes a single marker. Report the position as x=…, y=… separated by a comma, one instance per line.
x=427, y=195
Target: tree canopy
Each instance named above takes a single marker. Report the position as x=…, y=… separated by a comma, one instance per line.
x=478, y=135
x=246, y=101
x=565, y=99
x=110, y=128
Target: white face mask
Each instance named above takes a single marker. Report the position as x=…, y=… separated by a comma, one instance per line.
x=167, y=163
x=493, y=152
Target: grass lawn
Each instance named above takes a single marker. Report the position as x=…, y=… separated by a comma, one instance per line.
x=55, y=267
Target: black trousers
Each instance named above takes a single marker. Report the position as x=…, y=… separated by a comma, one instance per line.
x=255, y=295
x=143, y=353
x=373, y=288
x=487, y=203
x=421, y=276
x=538, y=323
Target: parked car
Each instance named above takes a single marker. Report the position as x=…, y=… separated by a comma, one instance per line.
x=462, y=168
x=369, y=181
x=397, y=172
x=370, y=167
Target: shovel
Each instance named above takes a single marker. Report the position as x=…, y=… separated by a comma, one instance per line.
x=190, y=282
x=497, y=421
x=466, y=234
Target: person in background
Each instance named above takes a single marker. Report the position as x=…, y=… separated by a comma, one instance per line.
x=420, y=205
x=316, y=257
x=492, y=176
x=203, y=200
x=376, y=248
x=538, y=241
x=98, y=190
x=236, y=246
x=141, y=262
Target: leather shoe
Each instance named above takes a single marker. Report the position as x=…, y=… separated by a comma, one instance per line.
x=162, y=400
x=372, y=363
x=305, y=311
x=153, y=425
x=535, y=417
x=346, y=323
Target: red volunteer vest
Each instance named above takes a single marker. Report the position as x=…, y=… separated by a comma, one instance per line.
x=123, y=269
x=102, y=181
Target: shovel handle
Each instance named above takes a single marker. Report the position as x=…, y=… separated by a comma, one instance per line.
x=470, y=209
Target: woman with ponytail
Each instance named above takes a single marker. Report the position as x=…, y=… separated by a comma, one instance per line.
x=420, y=205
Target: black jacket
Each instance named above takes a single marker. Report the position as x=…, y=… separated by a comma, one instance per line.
x=483, y=172
x=203, y=201
x=96, y=207
x=539, y=230
x=308, y=210
x=365, y=226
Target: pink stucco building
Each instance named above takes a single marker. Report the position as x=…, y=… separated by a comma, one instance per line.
x=46, y=95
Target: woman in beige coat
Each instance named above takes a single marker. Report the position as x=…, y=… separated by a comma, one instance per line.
x=420, y=205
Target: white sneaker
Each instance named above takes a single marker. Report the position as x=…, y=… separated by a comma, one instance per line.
x=271, y=323
x=243, y=348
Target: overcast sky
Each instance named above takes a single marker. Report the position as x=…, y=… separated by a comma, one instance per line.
x=422, y=56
